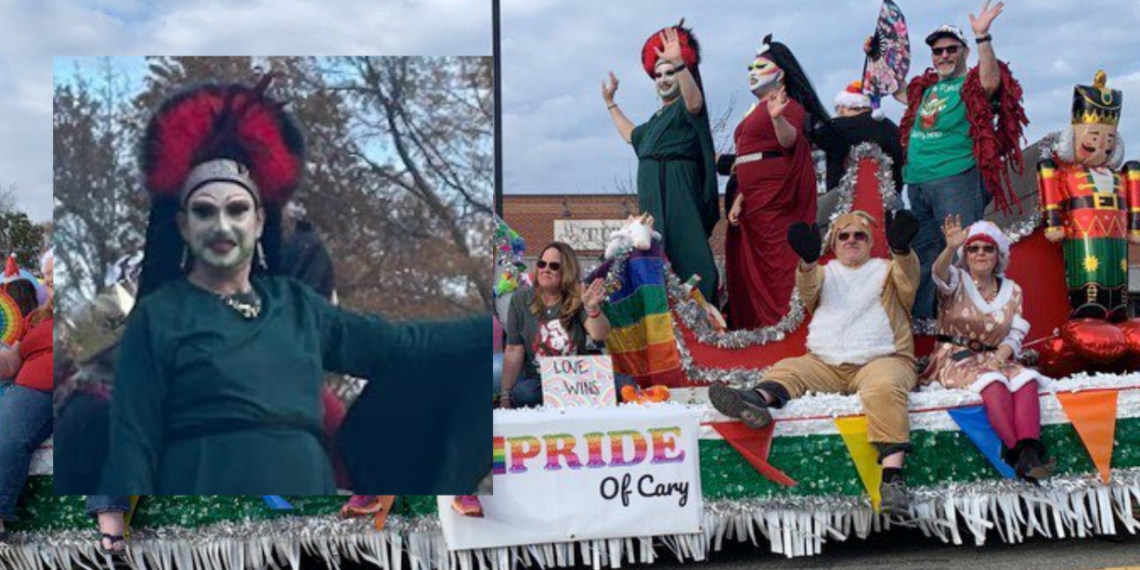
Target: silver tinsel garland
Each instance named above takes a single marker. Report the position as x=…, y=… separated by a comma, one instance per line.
x=846, y=188
x=1079, y=506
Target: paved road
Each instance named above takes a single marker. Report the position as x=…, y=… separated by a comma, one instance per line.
x=904, y=549
x=909, y=550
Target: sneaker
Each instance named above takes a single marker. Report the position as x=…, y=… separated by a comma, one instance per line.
x=895, y=497
x=747, y=406
x=468, y=506
x=362, y=506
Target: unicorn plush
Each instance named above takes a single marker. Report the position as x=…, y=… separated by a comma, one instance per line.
x=636, y=233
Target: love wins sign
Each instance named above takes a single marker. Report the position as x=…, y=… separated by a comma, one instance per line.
x=578, y=382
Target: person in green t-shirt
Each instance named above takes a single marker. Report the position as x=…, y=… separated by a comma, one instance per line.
x=941, y=173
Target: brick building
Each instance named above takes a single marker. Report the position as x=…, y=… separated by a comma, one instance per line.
x=576, y=219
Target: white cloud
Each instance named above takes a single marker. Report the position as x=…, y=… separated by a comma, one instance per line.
x=31, y=33
x=557, y=53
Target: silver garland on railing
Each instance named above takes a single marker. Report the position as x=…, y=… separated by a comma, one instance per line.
x=696, y=320
x=883, y=175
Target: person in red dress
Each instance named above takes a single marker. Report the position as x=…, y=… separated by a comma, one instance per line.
x=26, y=408
x=776, y=187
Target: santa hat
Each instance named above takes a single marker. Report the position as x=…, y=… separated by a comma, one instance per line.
x=11, y=270
x=853, y=96
x=988, y=232
x=231, y=133
x=690, y=49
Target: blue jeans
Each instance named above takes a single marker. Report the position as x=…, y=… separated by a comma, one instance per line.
x=97, y=504
x=962, y=195
x=25, y=423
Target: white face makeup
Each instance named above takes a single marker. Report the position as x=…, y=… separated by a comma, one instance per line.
x=221, y=225
x=762, y=74
x=666, y=79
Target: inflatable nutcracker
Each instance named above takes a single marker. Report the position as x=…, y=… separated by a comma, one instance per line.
x=1091, y=204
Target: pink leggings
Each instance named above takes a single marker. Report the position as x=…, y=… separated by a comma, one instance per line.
x=1013, y=416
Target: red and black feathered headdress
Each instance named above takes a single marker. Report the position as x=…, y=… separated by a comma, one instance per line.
x=690, y=49
x=217, y=132
x=235, y=122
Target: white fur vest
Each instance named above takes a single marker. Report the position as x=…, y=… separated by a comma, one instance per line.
x=850, y=325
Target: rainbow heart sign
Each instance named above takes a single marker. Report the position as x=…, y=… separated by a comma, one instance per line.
x=11, y=320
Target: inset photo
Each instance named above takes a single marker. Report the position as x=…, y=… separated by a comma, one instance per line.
x=272, y=277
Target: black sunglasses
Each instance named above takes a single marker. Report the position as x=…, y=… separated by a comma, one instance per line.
x=663, y=74
x=553, y=265
x=859, y=236
x=948, y=50
x=976, y=248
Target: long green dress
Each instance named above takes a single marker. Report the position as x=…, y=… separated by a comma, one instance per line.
x=209, y=403
x=676, y=184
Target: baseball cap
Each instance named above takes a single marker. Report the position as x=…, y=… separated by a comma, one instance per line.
x=946, y=31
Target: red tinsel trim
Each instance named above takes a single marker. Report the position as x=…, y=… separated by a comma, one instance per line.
x=690, y=49
x=995, y=127
x=187, y=126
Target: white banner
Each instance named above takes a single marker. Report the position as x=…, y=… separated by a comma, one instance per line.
x=586, y=235
x=582, y=474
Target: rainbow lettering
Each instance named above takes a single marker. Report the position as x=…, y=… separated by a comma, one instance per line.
x=662, y=446
x=558, y=451
x=561, y=445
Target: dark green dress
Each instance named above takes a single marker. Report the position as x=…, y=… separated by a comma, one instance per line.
x=209, y=403
x=676, y=184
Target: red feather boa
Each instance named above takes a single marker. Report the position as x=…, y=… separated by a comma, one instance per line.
x=996, y=128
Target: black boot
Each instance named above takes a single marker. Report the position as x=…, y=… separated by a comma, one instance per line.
x=1012, y=454
x=1032, y=463
x=747, y=406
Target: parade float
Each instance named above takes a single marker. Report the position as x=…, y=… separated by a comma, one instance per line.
x=605, y=486
x=612, y=483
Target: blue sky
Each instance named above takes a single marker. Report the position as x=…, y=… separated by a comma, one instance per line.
x=32, y=34
x=558, y=137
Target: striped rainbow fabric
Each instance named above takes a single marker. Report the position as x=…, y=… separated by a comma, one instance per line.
x=641, y=340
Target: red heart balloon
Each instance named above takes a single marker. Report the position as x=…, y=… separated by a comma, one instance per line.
x=1097, y=340
x=1131, y=330
x=1057, y=359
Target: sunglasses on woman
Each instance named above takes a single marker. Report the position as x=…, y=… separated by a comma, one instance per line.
x=981, y=247
x=857, y=236
x=553, y=265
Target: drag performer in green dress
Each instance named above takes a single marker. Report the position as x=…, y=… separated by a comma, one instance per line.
x=222, y=361
x=676, y=173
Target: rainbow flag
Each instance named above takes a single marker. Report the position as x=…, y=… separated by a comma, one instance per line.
x=641, y=340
